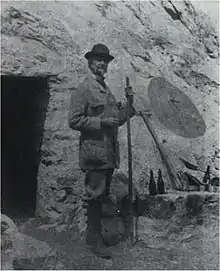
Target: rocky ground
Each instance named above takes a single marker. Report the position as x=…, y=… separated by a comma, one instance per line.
x=175, y=232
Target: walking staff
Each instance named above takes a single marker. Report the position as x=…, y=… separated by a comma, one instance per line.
x=128, y=90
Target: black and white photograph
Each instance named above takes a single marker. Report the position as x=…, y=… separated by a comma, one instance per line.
x=110, y=135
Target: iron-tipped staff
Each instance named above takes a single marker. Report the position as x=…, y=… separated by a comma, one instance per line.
x=130, y=187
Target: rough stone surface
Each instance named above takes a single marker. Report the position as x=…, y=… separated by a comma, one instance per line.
x=50, y=38
x=9, y=233
x=16, y=246
x=185, y=221
x=29, y=248
x=180, y=203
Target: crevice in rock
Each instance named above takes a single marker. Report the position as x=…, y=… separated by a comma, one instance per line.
x=161, y=41
x=62, y=137
x=152, y=3
x=103, y=6
x=46, y=162
x=135, y=68
x=55, y=209
x=198, y=80
x=210, y=52
x=174, y=13
x=145, y=57
x=136, y=14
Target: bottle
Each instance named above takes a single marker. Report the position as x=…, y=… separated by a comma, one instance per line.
x=160, y=183
x=207, y=179
x=152, y=185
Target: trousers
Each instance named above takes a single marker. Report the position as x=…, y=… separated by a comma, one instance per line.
x=97, y=186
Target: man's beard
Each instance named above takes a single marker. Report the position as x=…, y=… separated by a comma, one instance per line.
x=101, y=70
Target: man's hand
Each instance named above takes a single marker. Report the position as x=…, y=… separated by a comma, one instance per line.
x=110, y=122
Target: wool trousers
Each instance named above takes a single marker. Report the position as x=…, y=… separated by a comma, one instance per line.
x=97, y=187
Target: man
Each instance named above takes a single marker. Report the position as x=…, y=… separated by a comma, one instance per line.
x=96, y=114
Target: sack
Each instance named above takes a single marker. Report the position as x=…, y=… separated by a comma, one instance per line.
x=113, y=226
x=113, y=230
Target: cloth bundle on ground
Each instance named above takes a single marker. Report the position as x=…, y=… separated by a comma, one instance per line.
x=113, y=224
x=115, y=211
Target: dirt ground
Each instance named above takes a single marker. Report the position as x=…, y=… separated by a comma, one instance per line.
x=157, y=252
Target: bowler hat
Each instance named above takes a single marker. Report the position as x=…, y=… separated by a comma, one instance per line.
x=99, y=50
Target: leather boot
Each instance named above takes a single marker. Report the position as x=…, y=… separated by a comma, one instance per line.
x=93, y=233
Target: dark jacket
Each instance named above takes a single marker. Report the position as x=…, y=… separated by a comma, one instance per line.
x=98, y=146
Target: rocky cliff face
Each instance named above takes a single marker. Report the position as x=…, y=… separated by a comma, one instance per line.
x=148, y=39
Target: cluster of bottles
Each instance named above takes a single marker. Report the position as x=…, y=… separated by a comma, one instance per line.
x=156, y=188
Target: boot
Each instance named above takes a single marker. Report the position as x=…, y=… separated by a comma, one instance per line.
x=93, y=234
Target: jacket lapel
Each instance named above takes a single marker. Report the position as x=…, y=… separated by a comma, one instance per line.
x=96, y=84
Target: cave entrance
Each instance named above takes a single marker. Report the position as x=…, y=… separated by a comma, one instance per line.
x=24, y=102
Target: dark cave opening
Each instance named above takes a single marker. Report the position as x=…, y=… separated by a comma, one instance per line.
x=24, y=102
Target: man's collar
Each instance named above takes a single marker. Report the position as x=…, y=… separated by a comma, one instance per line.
x=98, y=79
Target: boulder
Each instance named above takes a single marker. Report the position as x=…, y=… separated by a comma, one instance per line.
x=9, y=234
x=16, y=246
x=187, y=222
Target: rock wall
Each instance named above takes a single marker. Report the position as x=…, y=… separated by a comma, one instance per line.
x=148, y=39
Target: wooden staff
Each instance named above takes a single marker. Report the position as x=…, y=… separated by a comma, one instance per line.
x=130, y=188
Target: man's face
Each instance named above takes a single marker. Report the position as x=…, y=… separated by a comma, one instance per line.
x=99, y=65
